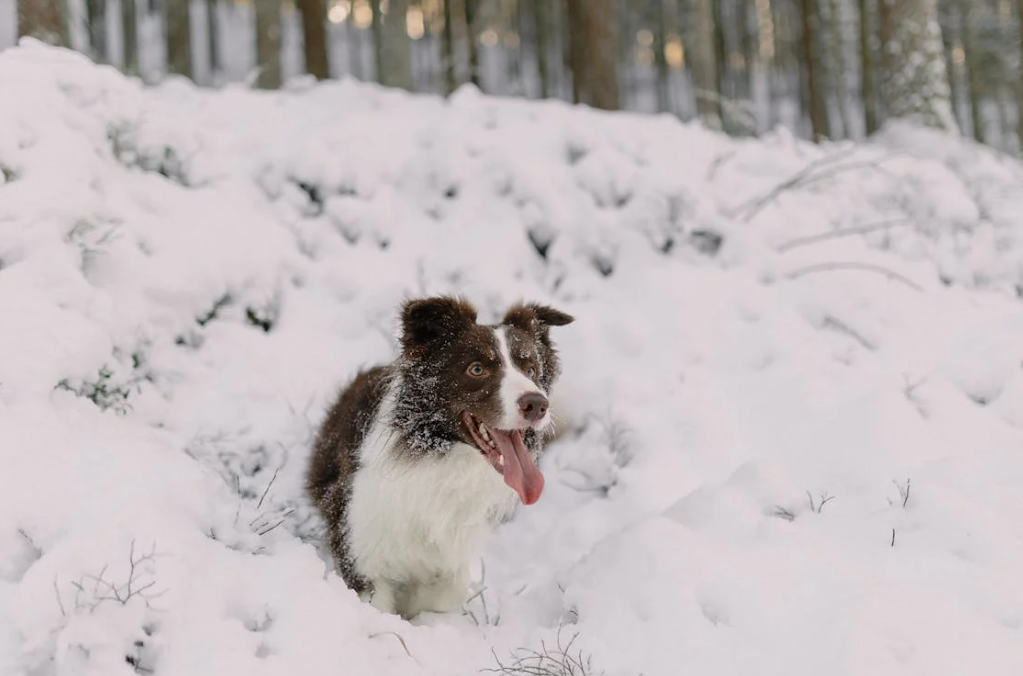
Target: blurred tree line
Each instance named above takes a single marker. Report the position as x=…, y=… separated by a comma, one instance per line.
x=825, y=68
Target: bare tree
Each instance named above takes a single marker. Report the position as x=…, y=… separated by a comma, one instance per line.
x=129, y=36
x=378, y=40
x=868, y=81
x=396, y=50
x=179, y=37
x=314, y=33
x=813, y=86
x=914, y=83
x=447, y=50
x=660, y=57
x=540, y=24
x=472, y=38
x=96, y=18
x=42, y=20
x=704, y=63
x=1019, y=90
x=594, y=48
x=971, y=61
x=839, y=65
x=721, y=53
x=213, y=35
x=268, y=43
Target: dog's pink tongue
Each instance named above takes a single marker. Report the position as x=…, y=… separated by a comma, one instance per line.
x=520, y=472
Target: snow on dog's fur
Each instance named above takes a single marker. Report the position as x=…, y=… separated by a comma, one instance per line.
x=419, y=459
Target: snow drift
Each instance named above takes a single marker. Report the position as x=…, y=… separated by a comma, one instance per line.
x=793, y=395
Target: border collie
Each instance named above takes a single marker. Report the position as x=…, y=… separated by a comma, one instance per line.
x=418, y=460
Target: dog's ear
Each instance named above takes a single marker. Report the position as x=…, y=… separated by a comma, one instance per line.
x=427, y=319
x=535, y=318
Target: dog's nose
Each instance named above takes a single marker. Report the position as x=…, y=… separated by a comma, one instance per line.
x=533, y=406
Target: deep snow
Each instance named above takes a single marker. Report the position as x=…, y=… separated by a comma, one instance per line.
x=743, y=427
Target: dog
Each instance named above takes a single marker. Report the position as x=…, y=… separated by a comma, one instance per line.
x=418, y=460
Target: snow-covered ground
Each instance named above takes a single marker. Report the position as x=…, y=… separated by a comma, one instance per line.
x=786, y=454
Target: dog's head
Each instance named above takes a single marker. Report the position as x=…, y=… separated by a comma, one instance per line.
x=486, y=386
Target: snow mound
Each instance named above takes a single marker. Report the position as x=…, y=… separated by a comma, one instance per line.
x=792, y=396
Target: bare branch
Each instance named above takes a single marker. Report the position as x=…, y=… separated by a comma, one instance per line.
x=845, y=232
x=272, y=479
x=852, y=265
x=813, y=172
x=60, y=601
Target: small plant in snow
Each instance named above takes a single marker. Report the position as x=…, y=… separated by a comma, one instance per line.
x=92, y=591
x=557, y=660
x=903, y=493
x=823, y=499
x=103, y=391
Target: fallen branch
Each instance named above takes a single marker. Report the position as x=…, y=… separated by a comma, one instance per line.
x=865, y=267
x=835, y=234
x=807, y=176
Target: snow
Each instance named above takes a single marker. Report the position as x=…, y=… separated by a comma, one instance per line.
x=768, y=467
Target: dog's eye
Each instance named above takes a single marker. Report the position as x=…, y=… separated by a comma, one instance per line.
x=531, y=372
x=476, y=370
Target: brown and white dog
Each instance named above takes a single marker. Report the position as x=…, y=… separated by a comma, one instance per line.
x=418, y=460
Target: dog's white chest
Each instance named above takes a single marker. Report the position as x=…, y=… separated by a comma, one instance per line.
x=413, y=520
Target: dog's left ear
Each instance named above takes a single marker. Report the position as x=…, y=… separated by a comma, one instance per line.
x=535, y=318
x=428, y=319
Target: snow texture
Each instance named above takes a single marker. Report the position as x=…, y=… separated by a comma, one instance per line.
x=793, y=395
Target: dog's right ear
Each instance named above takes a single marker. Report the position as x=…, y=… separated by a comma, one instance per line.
x=427, y=319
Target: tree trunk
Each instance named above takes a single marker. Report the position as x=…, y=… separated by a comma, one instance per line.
x=838, y=59
x=812, y=67
x=179, y=37
x=130, y=36
x=1019, y=89
x=721, y=55
x=704, y=64
x=748, y=43
x=396, y=48
x=594, y=35
x=972, y=72
x=268, y=43
x=213, y=35
x=577, y=47
x=447, y=49
x=540, y=23
x=951, y=30
x=660, y=58
x=42, y=20
x=868, y=81
x=96, y=17
x=378, y=40
x=473, y=41
x=914, y=84
x=314, y=33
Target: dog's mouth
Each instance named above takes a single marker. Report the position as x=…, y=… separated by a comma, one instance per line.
x=508, y=455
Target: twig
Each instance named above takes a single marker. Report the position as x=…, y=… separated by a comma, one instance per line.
x=893, y=537
x=842, y=327
x=267, y=490
x=60, y=601
x=850, y=265
x=805, y=177
x=753, y=206
x=903, y=491
x=398, y=636
x=845, y=232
